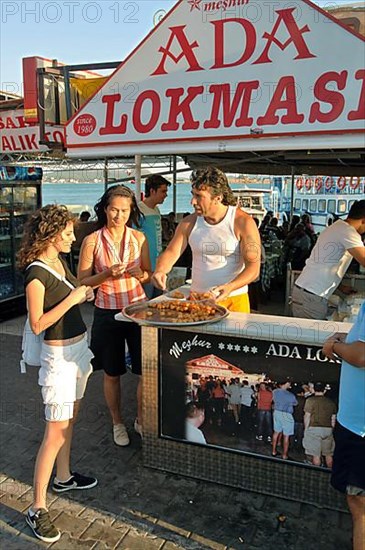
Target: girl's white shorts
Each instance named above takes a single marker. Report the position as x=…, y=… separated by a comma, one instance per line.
x=63, y=377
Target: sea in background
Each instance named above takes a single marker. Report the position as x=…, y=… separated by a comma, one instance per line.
x=87, y=194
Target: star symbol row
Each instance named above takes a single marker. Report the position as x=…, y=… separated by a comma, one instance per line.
x=237, y=348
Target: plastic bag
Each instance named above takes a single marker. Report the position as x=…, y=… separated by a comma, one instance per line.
x=31, y=348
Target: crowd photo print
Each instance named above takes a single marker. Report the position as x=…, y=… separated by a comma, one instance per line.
x=273, y=399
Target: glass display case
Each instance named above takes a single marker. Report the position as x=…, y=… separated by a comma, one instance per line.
x=20, y=194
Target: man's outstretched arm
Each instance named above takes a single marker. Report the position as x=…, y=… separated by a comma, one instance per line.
x=175, y=248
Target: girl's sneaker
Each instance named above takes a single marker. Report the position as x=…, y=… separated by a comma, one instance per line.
x=42, y=526
x=76, y=481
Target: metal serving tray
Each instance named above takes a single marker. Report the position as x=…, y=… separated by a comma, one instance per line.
x=137, y=314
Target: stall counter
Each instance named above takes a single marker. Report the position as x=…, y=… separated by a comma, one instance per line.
x=273, y=327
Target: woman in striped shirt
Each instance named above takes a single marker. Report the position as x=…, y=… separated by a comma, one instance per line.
x=115, y=260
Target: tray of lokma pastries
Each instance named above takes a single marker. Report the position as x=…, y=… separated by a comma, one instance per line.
x=170, y=312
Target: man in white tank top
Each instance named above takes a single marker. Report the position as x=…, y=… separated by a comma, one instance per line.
x=225, y=243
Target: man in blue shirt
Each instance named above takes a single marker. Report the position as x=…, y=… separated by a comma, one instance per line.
x=348, y=474
x=155, y=193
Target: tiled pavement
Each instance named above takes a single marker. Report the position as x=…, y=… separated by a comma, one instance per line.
x=134, y=507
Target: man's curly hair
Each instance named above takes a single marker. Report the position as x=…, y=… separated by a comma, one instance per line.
x=215, y=181
x=42, y=226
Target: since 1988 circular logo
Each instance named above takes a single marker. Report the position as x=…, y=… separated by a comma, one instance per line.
x=84, y=125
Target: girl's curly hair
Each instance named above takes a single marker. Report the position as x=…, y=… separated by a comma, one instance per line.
x=215, y=181
x=118, y=191
x=41, y=227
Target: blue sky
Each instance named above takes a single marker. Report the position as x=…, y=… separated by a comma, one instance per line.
x=76, y=31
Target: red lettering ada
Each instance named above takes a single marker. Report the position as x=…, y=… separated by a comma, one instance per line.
x=226, y=28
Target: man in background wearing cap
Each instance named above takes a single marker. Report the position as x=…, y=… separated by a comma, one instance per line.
x=319, y=421
x=330, y=258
